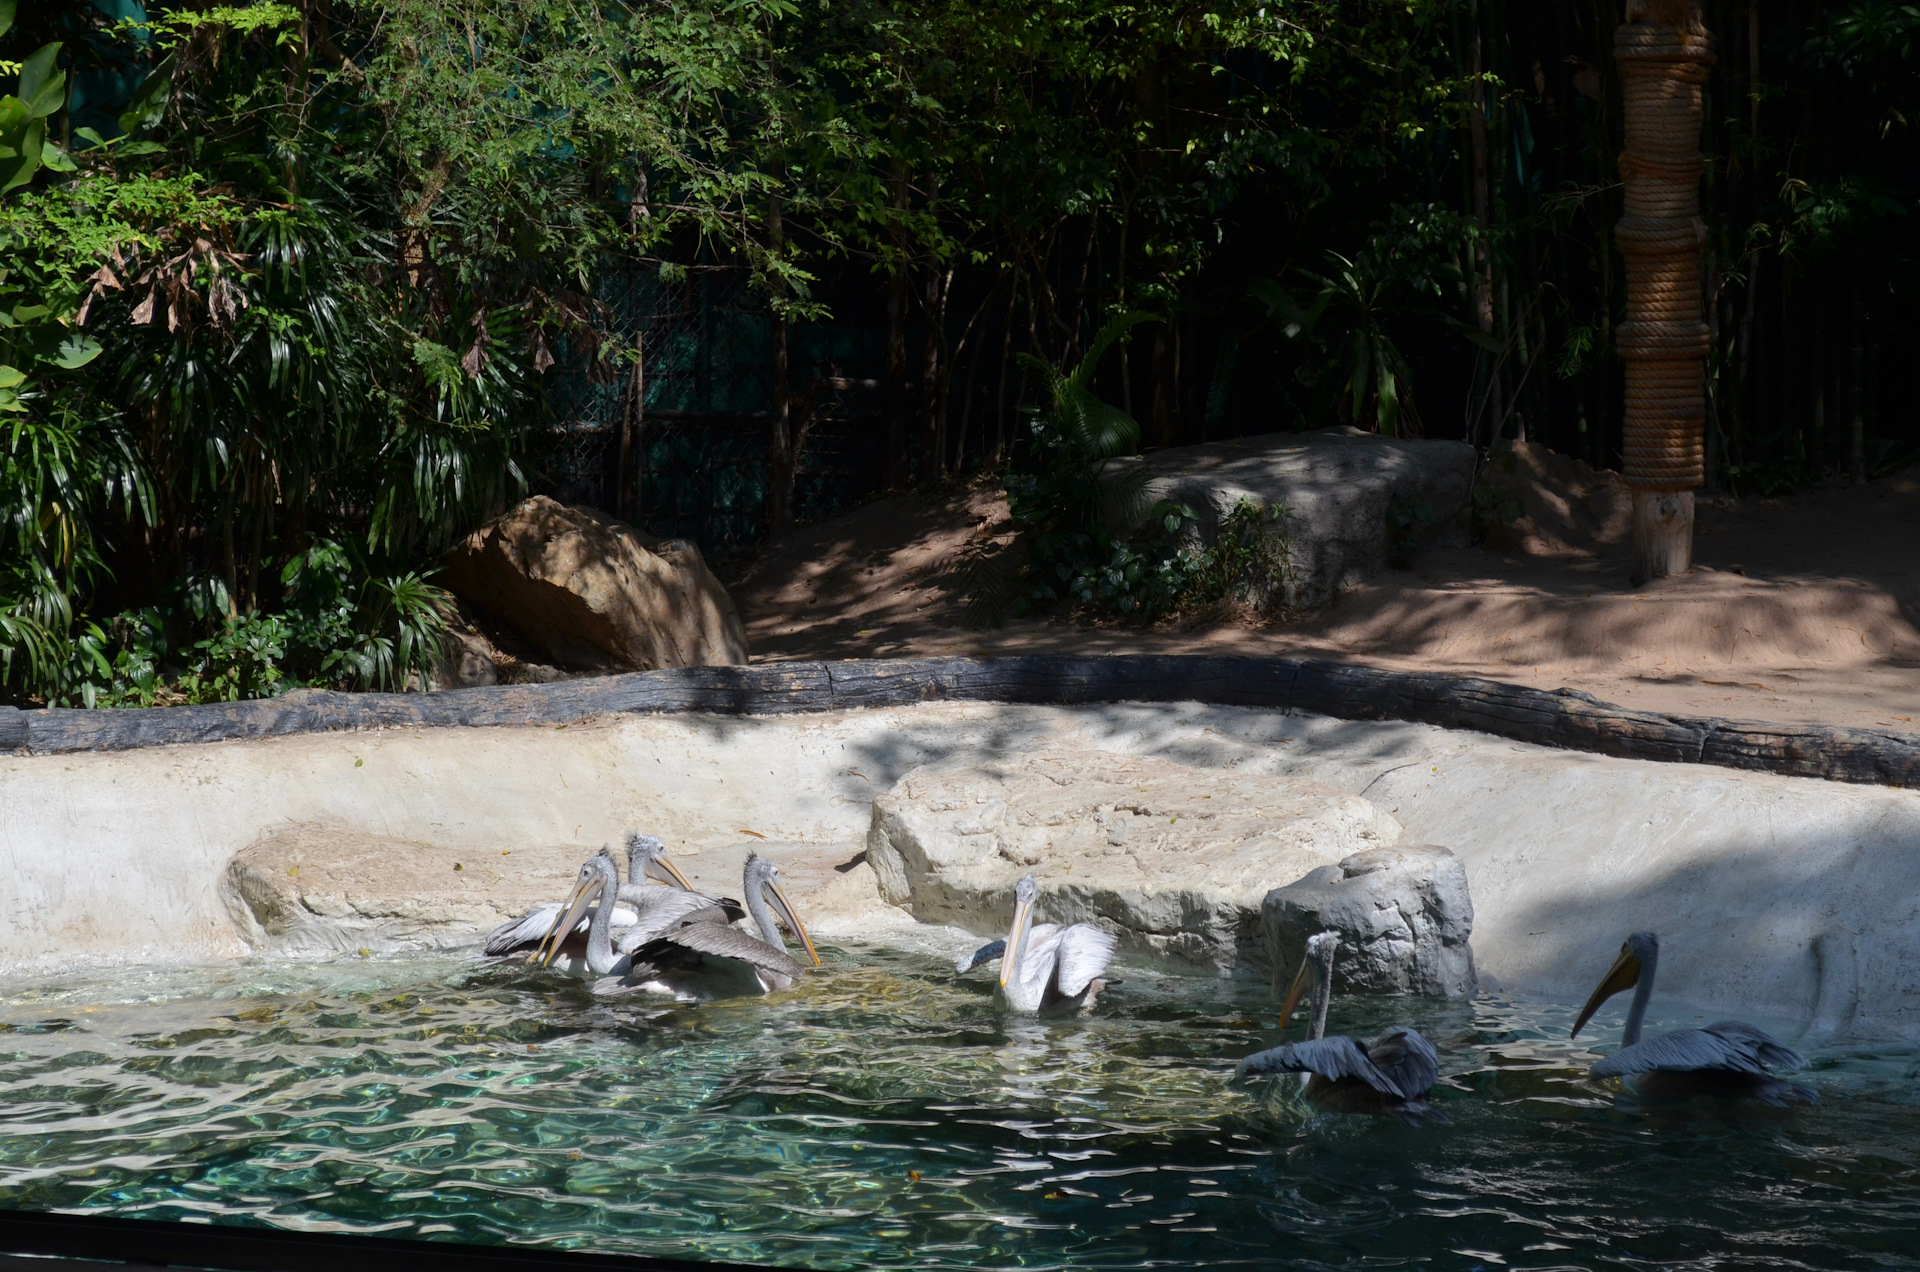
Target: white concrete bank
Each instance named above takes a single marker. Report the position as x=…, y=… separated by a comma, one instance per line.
x=1780, y=897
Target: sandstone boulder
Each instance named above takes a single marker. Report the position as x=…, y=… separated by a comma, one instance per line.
x=593, y=594
x=1176, y=860
x=1403, y=913
x=1355, y=501
x=312, y=889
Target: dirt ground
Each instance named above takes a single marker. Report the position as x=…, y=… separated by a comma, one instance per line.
x=1801, y=608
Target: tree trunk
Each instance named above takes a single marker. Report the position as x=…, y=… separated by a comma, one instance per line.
x=779, y=432
x=626, y=488
x=895, y=403
x=1663, y=53
x=933, y=377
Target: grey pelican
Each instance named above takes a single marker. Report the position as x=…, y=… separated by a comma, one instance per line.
x=646, y=859
x=703, y=956
x=1046, y=967
x=657, y=910
x=1729, y=1058
x=1391, y=1074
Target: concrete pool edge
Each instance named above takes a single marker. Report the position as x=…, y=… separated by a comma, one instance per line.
x=1564, y=719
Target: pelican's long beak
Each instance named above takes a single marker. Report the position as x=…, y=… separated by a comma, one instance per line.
x=1623, y=975
x=1302, y=980
x=663, y=869
x=1016, y=935
x=570, y=911
x=785, y=907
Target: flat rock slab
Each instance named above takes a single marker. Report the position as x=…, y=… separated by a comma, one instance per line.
x=316, y=889
x=1176, y=860
x=1352, y=498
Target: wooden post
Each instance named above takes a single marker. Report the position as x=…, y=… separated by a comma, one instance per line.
x=1663, y=52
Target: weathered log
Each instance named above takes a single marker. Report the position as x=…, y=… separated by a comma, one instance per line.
x=1562, y=718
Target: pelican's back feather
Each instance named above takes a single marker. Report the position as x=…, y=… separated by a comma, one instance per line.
x=1407, y=1058
x=1766, y=1048
x=1682, y=1051
x=730, y=942
x=1332, y=1058
x=665, y=909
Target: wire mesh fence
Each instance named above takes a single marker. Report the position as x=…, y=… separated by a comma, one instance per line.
x=698, y=442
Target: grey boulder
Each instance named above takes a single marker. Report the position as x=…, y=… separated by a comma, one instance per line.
x=1404, y=915
x=1355, y=501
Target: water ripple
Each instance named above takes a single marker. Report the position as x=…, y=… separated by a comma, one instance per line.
x=880, y=1115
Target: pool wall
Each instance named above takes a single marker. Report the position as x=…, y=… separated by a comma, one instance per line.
x=1786, y=898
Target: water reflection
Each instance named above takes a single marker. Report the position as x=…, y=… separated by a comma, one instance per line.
x=882, y=1115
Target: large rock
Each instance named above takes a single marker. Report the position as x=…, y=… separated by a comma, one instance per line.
x=312, y=888
x=594, y=594
x=1174, y=859
x=1355, y=501
x=1403, y=913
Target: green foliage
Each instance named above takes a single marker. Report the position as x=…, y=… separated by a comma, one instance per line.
x=340, y=629
x=1354, y=370
x=1079, y=515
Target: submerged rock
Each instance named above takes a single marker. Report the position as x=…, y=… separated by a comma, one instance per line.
x=1403, y=913
x=1175, y=860
x=593, y=594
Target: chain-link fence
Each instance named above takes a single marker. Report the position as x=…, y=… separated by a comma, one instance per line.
x=699, y=439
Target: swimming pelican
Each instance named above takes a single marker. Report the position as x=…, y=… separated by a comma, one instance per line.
x=703, y=956
x=657, y=910
x=1046, y=967
x=646, y=858
x=1391, y=1074
x=1730, y=1058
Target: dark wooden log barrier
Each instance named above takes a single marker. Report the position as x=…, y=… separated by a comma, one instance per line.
x=1561, y=718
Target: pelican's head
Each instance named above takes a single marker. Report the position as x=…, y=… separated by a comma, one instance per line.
x=763, y=880
x=598, y=877
x=647, y=859
x=1024, y=894
x=1637, y=952
x=1318, y=962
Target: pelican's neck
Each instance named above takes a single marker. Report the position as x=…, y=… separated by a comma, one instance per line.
x=1643, y=991
x=1322, y=995
x=763, y=914
x=600, y=955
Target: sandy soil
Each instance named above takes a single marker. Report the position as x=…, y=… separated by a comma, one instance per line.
x=1804, y=608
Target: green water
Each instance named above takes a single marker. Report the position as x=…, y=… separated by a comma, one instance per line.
x=882, y=1114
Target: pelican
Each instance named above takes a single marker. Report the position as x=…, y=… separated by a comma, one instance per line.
x=1046, y=967
x=1391, y=1074
x=1730, y=1058
x=646, y=858
x=704, y=956
x=656, y=910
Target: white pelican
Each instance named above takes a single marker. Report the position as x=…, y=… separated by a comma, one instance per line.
x=1391, y=1074
x=646, y=859
x=703, y=956
x=656, y=910
x=1046, y=967
x=1730, y=1058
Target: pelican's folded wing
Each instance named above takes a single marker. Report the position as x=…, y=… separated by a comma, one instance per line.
x=731, y=942
x=1335, y=1058
x=1763, y=1046
x=1083, y=953
x=525, y=930
x=1407, y=1058
x=1682, y=1051
x=667, y=909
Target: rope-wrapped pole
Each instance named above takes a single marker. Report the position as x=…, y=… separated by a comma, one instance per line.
x=1663, y=52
